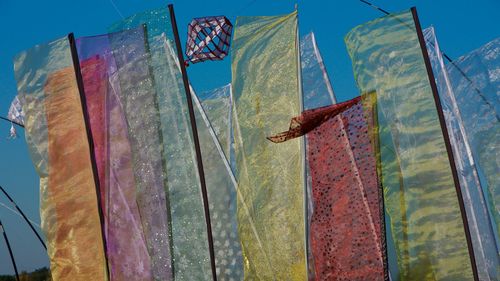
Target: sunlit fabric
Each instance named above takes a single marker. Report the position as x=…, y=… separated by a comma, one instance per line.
x=478, y=103
x=137, y=91
x=189, y=246
x=419, y=191
x=347, y=217
x=480, y=225
x=270, y=176
x=59, y=147
x=221, y=185
x=126, y=241
x=217, y=105
x=316, y=86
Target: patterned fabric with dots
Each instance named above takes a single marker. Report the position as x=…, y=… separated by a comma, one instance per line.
x=212, y=112
x=346, y=224
x=188, y=233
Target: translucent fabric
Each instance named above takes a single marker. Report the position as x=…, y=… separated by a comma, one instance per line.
x=419, y=191
x=59, y=147
x=217, y=105
x=347, y=219
x=137, y=91
x=190, y=254
x=317, y=91
x=482, y=233
x=478, y=103
x=270, y=177
x=221, y=184
x=316, y=87
x=128, y=255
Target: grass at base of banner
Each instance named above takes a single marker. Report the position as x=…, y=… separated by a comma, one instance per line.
x=41, y=274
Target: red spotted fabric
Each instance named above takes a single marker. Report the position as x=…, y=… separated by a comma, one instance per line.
x=347, y=222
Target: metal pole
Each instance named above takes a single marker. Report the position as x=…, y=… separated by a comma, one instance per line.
x=447, y=142
x=10, y=250
x=11, y=121
x=79, y=81
x=24, y=216
x=196, y=141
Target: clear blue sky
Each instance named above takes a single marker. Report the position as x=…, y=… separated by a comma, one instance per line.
x=461, y=26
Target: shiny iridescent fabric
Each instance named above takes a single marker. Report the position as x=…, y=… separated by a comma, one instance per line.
x=270, y=177
x=125, y=218
x=59, y=147
x=188, y=254
x=424, y=217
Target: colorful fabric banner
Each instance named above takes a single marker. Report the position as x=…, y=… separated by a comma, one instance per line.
x=59, y=147
x=419, y=191
x=126, y=241
x=189, y=246
x=270, y=177
x=474, y=192
x=347, y=215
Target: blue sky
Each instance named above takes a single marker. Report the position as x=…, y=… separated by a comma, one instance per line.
x=461, y=26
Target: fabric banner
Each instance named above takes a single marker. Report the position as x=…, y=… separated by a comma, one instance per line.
x=221, y=185
x=419, y=191
x=317, y=91
x=482, y=231
x=59, y=147
x=270, y=177
x=476, y=87
x=189, y=246
x=316, y=87
x=123, y=206
x=346, y=228
x=217, y=104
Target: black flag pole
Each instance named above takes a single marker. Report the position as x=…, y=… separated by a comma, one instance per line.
x=196, y=140
x=447, y=142
x=12, y=121
x=24, y=216
x=2, y=228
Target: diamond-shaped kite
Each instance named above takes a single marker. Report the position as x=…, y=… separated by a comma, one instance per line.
x=208, y=39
